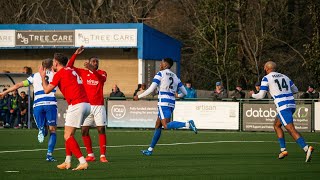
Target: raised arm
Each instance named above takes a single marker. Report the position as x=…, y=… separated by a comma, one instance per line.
x=74, y=56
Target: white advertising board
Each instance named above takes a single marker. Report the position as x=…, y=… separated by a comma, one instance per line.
x=7, y=38
x=137, y=114
x=209, y=115
x=106, y=37
x=317, y=116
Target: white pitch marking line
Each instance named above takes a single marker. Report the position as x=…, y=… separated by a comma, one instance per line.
x=172, y=144
x=11, y=171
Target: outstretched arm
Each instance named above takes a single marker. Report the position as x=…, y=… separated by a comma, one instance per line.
x=259, y=95
x=12, y=88
x=152, y=87
x=74, y=56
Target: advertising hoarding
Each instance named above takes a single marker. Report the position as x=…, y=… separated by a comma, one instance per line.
x=45, y=38
x=139, y=114
x=209, y=115
x=7, y=38
x=317, y=116
x=106, y=37
x=260, y=117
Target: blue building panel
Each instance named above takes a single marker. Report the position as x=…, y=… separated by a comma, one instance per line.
x=151, y=44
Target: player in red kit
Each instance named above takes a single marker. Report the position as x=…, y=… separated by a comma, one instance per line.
x=93, y=81
x=70, y=84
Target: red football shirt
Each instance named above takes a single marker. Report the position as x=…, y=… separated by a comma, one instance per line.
x=93, y=82
x=70, y=85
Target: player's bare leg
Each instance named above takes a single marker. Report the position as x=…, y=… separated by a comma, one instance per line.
x=300, y=140
x=277, y=128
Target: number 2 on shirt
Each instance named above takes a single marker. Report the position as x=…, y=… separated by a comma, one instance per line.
x=79, y=80
x=171, y=79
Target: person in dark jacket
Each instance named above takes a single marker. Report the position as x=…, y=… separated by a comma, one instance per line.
x=23, y=107
x=116, y=92
x=311, y=93
x=238, y=93
x=4, y=110
x=14, y=109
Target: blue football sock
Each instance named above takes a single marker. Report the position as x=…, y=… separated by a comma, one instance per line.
x=52, y=142
x=176, y=125
x=156, y=137
x=282, y=143
x=301, y=142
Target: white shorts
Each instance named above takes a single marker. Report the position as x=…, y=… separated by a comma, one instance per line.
x=76, y=114
x=97, y=116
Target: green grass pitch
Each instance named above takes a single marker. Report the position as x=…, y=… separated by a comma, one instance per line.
x=180, y=154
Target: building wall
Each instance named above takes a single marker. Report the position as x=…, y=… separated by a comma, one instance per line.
x=120, y=65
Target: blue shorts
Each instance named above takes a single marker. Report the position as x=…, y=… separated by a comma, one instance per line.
x=45, y=115
x=286, y=116
x=165, y=112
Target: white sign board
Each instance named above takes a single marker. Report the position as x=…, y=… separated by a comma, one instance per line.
x=209, y=115
x=137, y=114
x=7, y=38
x=317, y=116
x=106, y=37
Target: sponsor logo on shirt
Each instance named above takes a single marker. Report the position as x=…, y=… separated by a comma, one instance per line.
x=92, y=82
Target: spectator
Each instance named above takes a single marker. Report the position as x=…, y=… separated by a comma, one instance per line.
x=311, y=93
x=219, y=92
x=141, y=88
x=4, y=109
x=27, y=70
x=238, y=93
x=116, y=92
x=191, y=92
x=14, y=109
x=23, y=108
x=256, y=91
x=137, y=90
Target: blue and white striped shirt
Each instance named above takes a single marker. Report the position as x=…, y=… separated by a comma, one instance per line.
x=168, y=83
x=41, y=98
x=281, y=89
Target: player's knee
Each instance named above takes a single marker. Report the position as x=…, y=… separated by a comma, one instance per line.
x=276, y=126
x=85, y=133
x=52, y=129
x=101, y=130
x=290, y=128
x=66, y=136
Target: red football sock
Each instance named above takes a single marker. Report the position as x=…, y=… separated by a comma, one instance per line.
x=68, y=151
x=103, y=143
x=87, y=143
x=74, y=147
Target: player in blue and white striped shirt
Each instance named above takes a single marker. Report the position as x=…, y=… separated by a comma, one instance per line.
x=44, y=106
x=282, y=89
x=167, y=83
